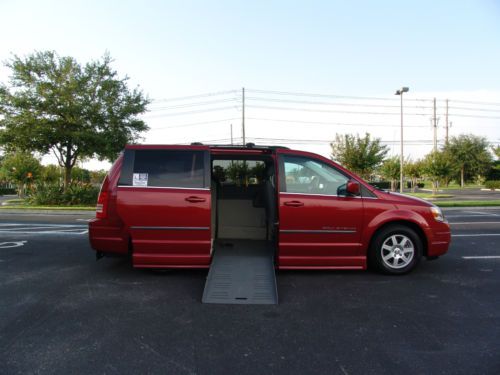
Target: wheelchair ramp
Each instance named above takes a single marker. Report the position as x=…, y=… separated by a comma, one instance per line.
x=242, y=272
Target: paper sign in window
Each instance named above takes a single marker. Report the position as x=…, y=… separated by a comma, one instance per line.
x=140, y=179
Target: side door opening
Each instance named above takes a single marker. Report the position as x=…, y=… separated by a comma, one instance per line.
x=243, y=219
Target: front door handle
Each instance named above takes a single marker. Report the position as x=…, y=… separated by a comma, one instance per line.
x=194, y=199
x=293, y=203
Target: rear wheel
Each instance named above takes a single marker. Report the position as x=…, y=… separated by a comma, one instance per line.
x=395, y=250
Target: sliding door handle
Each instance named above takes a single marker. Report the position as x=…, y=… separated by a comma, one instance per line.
x=194, y=199
x=293, y=203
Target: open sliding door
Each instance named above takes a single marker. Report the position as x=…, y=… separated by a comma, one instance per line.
x=164, y=199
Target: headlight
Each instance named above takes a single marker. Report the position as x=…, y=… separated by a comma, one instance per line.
x=437, y=213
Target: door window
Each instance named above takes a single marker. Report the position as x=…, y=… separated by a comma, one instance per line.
x=164, y=168
x=308, y=176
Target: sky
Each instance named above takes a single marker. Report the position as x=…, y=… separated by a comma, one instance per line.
x=311, y=69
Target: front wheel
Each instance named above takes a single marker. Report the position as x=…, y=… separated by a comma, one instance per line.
x=395, y=250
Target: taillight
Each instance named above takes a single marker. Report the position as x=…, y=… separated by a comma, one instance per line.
x=101, y=209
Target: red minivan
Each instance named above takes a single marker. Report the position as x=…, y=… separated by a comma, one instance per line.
x=175, y=206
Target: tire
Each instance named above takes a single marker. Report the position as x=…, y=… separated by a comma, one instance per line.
x=395, y=250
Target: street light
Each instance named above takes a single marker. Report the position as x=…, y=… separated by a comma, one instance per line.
x=400, y=93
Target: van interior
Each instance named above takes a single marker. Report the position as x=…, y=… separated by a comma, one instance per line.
x=244, y=213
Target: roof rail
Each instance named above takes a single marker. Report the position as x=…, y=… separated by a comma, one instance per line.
x=252, y=146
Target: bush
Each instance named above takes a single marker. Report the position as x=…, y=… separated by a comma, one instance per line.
x=8, y=191
x=420, y=185
x=492, y=184
x=81, y=194
x=54, y=194
x=381, y=184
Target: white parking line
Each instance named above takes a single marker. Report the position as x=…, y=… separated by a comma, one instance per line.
x=477, y=235
x=68, y=231
x=35, y=228
x=474, y=222
x=482, y=213
x=483, y=257
x=459, y=216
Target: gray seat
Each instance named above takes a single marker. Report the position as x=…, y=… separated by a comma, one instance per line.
x=270, y=200
x=213, y=190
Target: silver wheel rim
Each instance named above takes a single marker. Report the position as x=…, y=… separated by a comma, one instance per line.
x=397, y=251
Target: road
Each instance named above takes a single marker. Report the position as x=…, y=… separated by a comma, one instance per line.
x=62, y=312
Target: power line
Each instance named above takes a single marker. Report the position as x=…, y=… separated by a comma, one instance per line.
x=475, y=102
x=190, y=112
x=321, y=141
x=328, y=103
x=186, y=105
x=475, y=109
x=217, y=93
x=473, y=116
x=194, y=124
x=334, y=123
x=328, y=95
x=334, y=111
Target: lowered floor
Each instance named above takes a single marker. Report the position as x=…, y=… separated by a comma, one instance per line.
x=242, y=272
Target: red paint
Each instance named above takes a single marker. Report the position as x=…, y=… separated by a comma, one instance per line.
x=314, y=232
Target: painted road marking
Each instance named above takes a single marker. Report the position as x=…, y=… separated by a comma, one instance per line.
x=7, y=245
x=474, y=222
x=458, y=216
x=483, y=257
x=35, y=228
x=476, y=235
x=87, y=220
x=482, y=213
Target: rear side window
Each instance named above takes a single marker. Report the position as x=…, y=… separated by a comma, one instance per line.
x=164, y=168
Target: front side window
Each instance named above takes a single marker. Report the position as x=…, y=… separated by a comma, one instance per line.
x=164, y=168
x=308, y=176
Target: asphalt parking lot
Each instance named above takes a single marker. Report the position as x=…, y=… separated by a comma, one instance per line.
x=62, y=312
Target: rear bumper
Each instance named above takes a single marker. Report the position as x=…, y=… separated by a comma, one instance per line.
x=107, y=238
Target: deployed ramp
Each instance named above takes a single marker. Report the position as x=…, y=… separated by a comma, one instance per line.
x=242, y=272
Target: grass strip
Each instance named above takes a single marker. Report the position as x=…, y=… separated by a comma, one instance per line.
x=429, y=195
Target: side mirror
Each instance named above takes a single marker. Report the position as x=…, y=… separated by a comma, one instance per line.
x=353, y=188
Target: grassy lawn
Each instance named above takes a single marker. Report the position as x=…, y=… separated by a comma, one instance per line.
x=453, y=186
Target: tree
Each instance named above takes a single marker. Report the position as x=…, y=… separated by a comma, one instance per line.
x=360, y=155
x=22, y=169
x=51, y=174
x=413, y=169
x=496, y=151
x=390, y=170
x=470, y=156
x=54, y=104
x=437, y=166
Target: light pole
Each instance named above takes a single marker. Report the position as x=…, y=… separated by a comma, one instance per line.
x=400, y=93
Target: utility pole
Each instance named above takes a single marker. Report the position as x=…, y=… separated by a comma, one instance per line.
x=231, y=134
x=435, y=127
x=447, y=124
x=243, y=115
x=401, y=157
